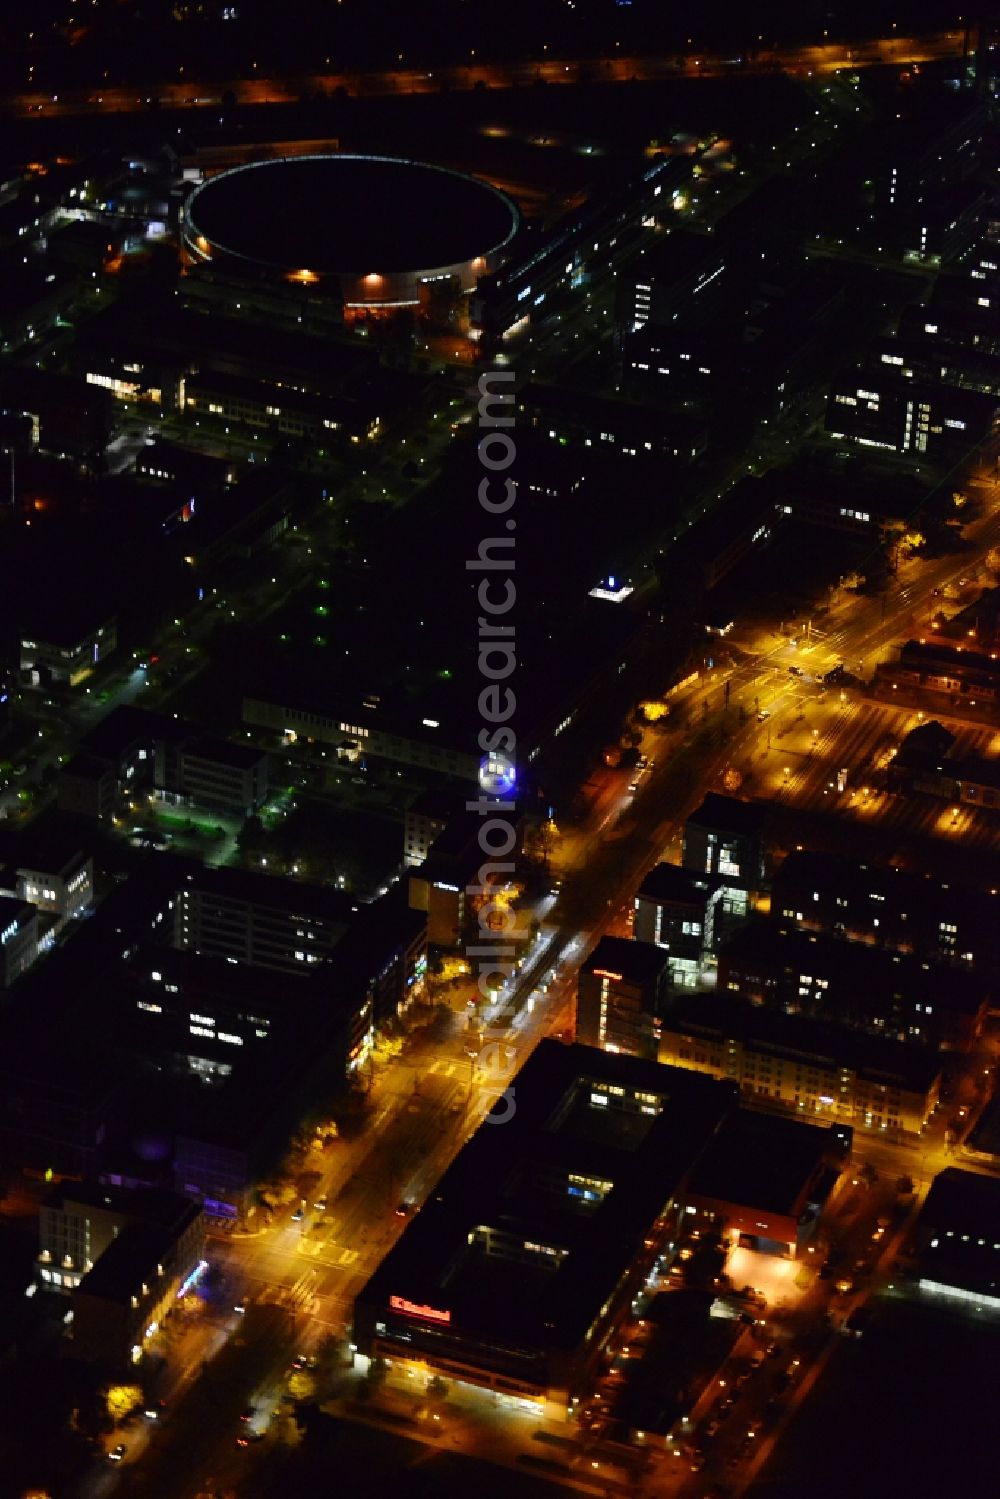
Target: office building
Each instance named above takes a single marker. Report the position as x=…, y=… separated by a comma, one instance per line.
x=958, y=1238
x=215, y=773
x=887, y=907
x=65, y=644
x=424, y=820
x=608, y=425
x=78, y=1221
x=933, y=145
x=271, y=408
x=876, y=407
x=50, y=870
x=517, y=1271
x=120, y=1305
x=174, y=759
x=421, y=743
x=677, y=910
x=763, y=1180
x=803, y=1066
x=871, y=989
x=18, y=937
x=725, y=837
x=621, y=993
x=86, y=787
x=256, y=919
x=589, y=239
x=666, y=280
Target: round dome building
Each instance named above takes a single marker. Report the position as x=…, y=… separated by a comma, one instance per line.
x=380, y=226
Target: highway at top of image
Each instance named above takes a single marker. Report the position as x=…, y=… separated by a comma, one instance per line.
x=187, y=92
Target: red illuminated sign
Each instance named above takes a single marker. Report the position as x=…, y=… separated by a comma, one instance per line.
x=411, y=1309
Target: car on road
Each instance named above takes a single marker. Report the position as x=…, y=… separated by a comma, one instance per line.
x=297, y=1216
x=763, y=715
x=248, y=1414
x=698, y=1461
x=404, y=1209
x=320, y=1207
x=117, y=1453
x=795, y=671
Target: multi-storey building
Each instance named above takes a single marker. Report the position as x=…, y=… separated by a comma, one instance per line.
x=517, y=1271
x=424, y=744
x=677, y=910
x=725, y=837
x=665, y=279
x=18, y=938
x=66, y=646
x=878, y=407
x=51, y=871
x=620, y=997
x=253, y=918
x=871, y=989
x=78, y=1221
x=119, y=1305
x=814, y=1070
x=887, y=907
x=764, y=1179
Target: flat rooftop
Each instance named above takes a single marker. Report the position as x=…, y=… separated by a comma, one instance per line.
x=960, y=1230
x=985, y=1133
x=764, y=1160
x=127, y=1264
x=671, y=883
x=47, y=843
x=967, y=1202
x=801, y=1038
x=873, y=970
x=567, y=1179
x=729, y=814
x=635, y=962
x=153, y=1207
x=274, y=892
x=355, y=214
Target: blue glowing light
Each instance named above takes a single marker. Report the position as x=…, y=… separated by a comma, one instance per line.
x=193, y=1278
x=497, y=774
